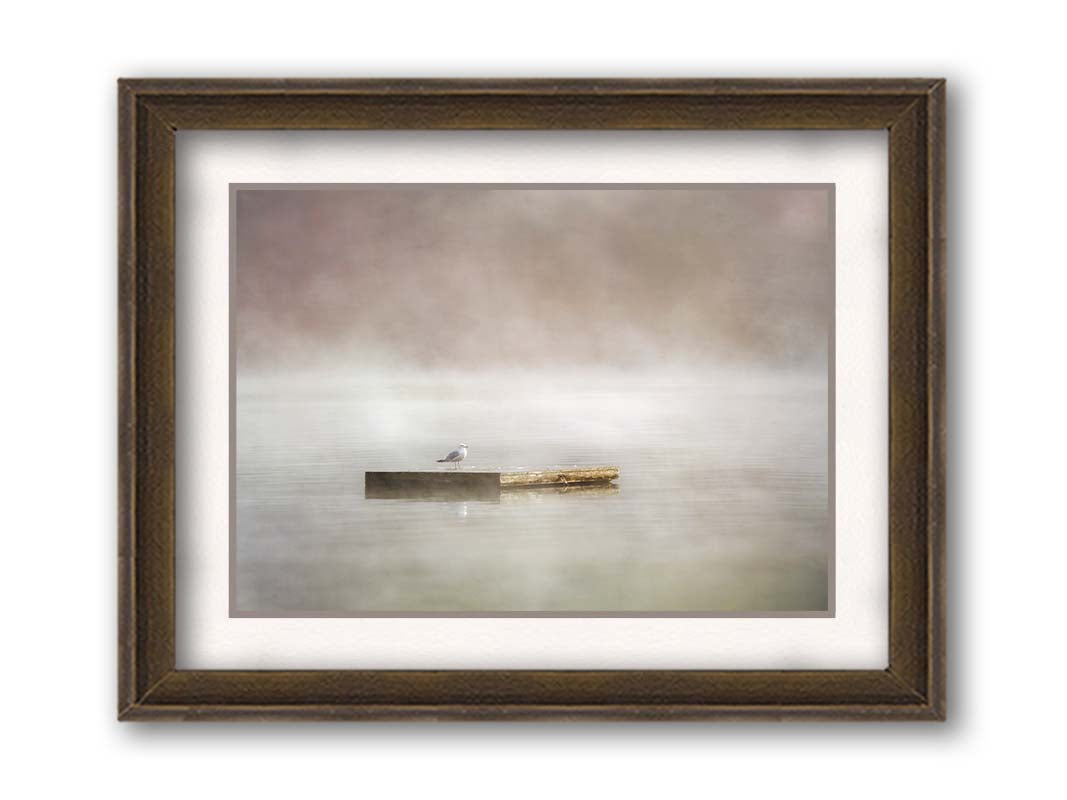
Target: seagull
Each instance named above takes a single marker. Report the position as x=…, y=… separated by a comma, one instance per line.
x=455, y=456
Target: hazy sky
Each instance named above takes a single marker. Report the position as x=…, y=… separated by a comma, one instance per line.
x=460, y=277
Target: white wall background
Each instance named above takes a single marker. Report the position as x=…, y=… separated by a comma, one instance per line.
x=58, y=404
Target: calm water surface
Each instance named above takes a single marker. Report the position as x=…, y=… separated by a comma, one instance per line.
x=721, y=505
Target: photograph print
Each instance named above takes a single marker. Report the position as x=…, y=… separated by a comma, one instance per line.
x=532, y=400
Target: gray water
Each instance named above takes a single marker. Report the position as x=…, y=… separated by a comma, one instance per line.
x=721, y=504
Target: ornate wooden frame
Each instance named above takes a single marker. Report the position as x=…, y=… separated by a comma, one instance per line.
x=913, y=684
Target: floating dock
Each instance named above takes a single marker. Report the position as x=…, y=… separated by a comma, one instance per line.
x=480, y=484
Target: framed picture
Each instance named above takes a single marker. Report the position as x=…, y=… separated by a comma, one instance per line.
x=497, y=399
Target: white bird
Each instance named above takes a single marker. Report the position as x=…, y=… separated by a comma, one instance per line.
x=455, y=456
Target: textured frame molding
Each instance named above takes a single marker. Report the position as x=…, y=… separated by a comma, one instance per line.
x=151, y=112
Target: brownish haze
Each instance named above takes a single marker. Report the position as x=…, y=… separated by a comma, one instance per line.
x=460, y=277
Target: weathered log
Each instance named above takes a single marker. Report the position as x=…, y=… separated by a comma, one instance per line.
x=563, y=476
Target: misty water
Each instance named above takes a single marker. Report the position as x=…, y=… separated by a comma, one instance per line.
x=721, y=504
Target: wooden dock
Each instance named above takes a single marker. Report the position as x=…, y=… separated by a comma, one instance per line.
x=480, y=484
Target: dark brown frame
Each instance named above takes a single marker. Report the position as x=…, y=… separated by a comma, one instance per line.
x=911, y=687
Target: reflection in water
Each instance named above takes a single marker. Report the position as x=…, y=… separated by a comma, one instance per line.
x=534, y=494
x=438, y=494
x=721, y=504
